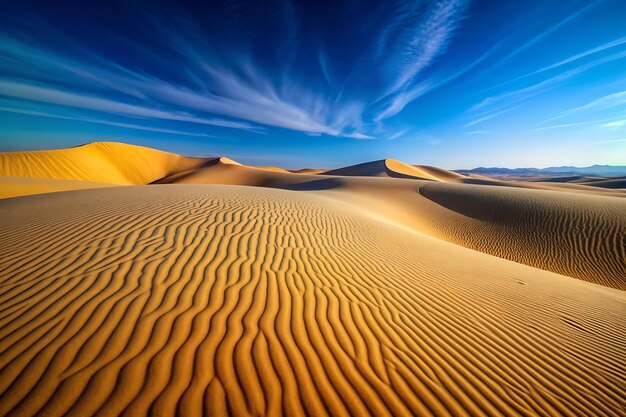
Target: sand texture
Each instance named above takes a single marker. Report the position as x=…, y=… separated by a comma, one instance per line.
x=19, y=186
x=578, y=235
x=107, y=162
x=252, y=291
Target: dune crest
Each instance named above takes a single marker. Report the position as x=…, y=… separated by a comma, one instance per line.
x=105, y=162
x=393, y=168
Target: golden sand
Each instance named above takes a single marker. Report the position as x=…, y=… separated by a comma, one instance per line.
x=302, y=294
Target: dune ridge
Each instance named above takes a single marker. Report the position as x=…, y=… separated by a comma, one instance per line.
x=229, y=300
x=396, y=169
x=103, y=162
x=554, y=231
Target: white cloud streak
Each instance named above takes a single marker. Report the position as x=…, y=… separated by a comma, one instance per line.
x=616, y=123
x=234, y=89
x=502, y=103
x=49, y=95
x=601, y=48
x=425, y=42
x=101, y=121
x=603, y=103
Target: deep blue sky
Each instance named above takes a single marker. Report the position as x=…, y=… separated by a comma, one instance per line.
x=452, y=83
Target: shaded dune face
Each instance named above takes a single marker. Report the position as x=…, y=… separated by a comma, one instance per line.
x=211, y=300
x=577, y=235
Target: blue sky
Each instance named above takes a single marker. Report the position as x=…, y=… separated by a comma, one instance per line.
x=451, y=83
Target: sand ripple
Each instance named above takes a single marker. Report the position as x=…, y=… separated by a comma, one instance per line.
x=225, y=300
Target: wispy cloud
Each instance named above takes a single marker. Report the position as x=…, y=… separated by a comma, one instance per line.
x=399, y=101
x=603, y=103
x=547, y=32
x=102, y=122
x=589, y=52
x=230, y=88
x=616, y=123
x=423, y=43
x=398, y=134
x=560, y=126
x=487, y=116
x=63, y=98
x=502, y=103
x=479, y=132
x=608, y=141
x=338, y=69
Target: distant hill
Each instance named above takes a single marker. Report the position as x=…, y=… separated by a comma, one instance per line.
x=600, y=170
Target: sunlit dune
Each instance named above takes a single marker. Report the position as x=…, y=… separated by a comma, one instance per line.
x=394, y=168
x=166, y=285
x=307, y=171
x=19, y=186
x=271, y=169
x=107, y=162
x=440, y=174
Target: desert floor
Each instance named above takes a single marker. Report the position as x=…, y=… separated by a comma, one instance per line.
x=137, y=282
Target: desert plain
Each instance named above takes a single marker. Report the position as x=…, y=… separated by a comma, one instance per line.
x=138, y=282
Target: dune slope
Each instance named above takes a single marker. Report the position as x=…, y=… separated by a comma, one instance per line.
x=20, y=186
x=578, y=235
x=393, y=168
x=215, y=300
x=106, y=162
x=575, y=234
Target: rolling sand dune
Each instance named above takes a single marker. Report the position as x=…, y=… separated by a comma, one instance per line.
x=396, y=169
x=604, y=182
x=221, y=172
x=307, y=171
x=272, y=169
x=216, y=300
x=573, y=234
x=441, y=174
x=368, y=290
x=106, y=162
x=19, y=186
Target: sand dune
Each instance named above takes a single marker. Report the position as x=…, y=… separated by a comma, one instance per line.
x=20, y=186
x=308, y=171
x=441, y=174
x=367, y=290
x=105, y=162
x=396, y=169
x=123, y=164
x=272, y=169
x=216, y=300
x=219, y=171
x=577, y=235
x=583, y=243
x=604, y=182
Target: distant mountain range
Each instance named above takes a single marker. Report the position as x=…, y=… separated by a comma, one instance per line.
x=594, y=170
